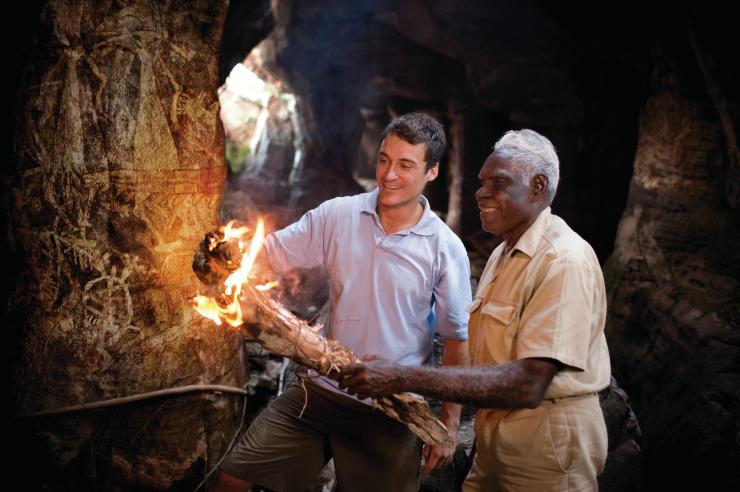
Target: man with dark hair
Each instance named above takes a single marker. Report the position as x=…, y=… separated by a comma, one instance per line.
x=417, y=128
x=536, y=337
x=397, y=274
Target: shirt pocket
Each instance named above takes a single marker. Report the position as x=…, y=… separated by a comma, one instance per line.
x=501, y=319
x=504, y=312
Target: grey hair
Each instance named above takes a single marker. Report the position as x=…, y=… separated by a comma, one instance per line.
x=532, y=154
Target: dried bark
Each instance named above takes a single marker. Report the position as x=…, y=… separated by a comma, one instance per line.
x=275, y=328
x=280, y=332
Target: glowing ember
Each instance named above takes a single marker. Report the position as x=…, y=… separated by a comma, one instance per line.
x=226, y=308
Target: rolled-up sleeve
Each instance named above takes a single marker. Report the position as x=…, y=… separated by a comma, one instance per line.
x=301, y=244
x=452, y=294
x=556, y=321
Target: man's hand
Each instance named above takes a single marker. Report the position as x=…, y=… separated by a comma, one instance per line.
x=373, y=377
x=455, y=354
x=438, y=455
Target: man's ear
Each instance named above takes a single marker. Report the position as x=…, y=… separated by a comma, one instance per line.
x=433, y=172
x=539, y=187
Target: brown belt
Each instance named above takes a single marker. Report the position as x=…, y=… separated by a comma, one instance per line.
x=553, y=401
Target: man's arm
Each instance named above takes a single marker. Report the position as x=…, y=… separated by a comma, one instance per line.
x=451, y=298
x=301, y=244
x=516, y=384
x=455, y=355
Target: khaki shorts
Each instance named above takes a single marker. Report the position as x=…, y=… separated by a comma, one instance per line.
x=282, y=451
x=559, y=446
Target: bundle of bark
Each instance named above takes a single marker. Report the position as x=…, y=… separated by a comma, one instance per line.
x=279, y=331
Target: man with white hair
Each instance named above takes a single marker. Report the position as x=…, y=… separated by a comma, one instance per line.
x=536, y=337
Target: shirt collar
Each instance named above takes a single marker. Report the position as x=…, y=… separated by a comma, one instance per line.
x=529, y=241
x=370, y=202
x=425, y=226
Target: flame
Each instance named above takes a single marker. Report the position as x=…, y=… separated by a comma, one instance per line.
x=227, y=307
x=233, y=233
x=267, y=286
x=208, y=307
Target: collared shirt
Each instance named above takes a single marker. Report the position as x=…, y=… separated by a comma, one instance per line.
x=546, y=298
x=388, y=293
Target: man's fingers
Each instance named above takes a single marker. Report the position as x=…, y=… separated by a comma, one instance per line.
x=354, y=386
x=427, y=451
x=350, y=369
x=429, y=465
x=349, y=382
x=430, y=459
x=435, y=457
x=348, y=375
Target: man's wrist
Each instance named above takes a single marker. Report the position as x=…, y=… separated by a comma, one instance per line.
x=451, y=413
x=452, y=424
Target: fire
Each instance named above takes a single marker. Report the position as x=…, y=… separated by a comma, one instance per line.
x=267, y=286
x=226, y=308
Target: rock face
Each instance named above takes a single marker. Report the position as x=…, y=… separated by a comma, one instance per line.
x=674, y=324
x=625, y=463
x=119, y=172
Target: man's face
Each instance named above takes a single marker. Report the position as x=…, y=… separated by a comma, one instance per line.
x=505, y=199
x=400, y=172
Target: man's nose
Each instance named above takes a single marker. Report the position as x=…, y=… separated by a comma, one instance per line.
x=390, y=172
x=480, y=194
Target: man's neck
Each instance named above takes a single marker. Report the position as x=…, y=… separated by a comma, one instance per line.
x=511, y=239
x=394, y=219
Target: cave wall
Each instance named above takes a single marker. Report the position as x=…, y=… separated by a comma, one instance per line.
x=673, y=326
x=491, y=66
x=117, y=172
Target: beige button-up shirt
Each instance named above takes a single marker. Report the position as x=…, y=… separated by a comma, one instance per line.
x=546, y=298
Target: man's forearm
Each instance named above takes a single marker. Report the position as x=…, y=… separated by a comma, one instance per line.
x=516, y=384
x=455, y=355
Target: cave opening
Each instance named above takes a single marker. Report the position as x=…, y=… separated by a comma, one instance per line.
x=263, y=143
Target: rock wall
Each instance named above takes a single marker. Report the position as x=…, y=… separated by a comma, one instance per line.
x=673, y=325
x=118, y=173
x=486, y=66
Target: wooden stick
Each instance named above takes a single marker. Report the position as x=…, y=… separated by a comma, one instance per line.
x=283, y=334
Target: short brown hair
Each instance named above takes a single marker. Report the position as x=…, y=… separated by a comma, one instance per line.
x=416, y=128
